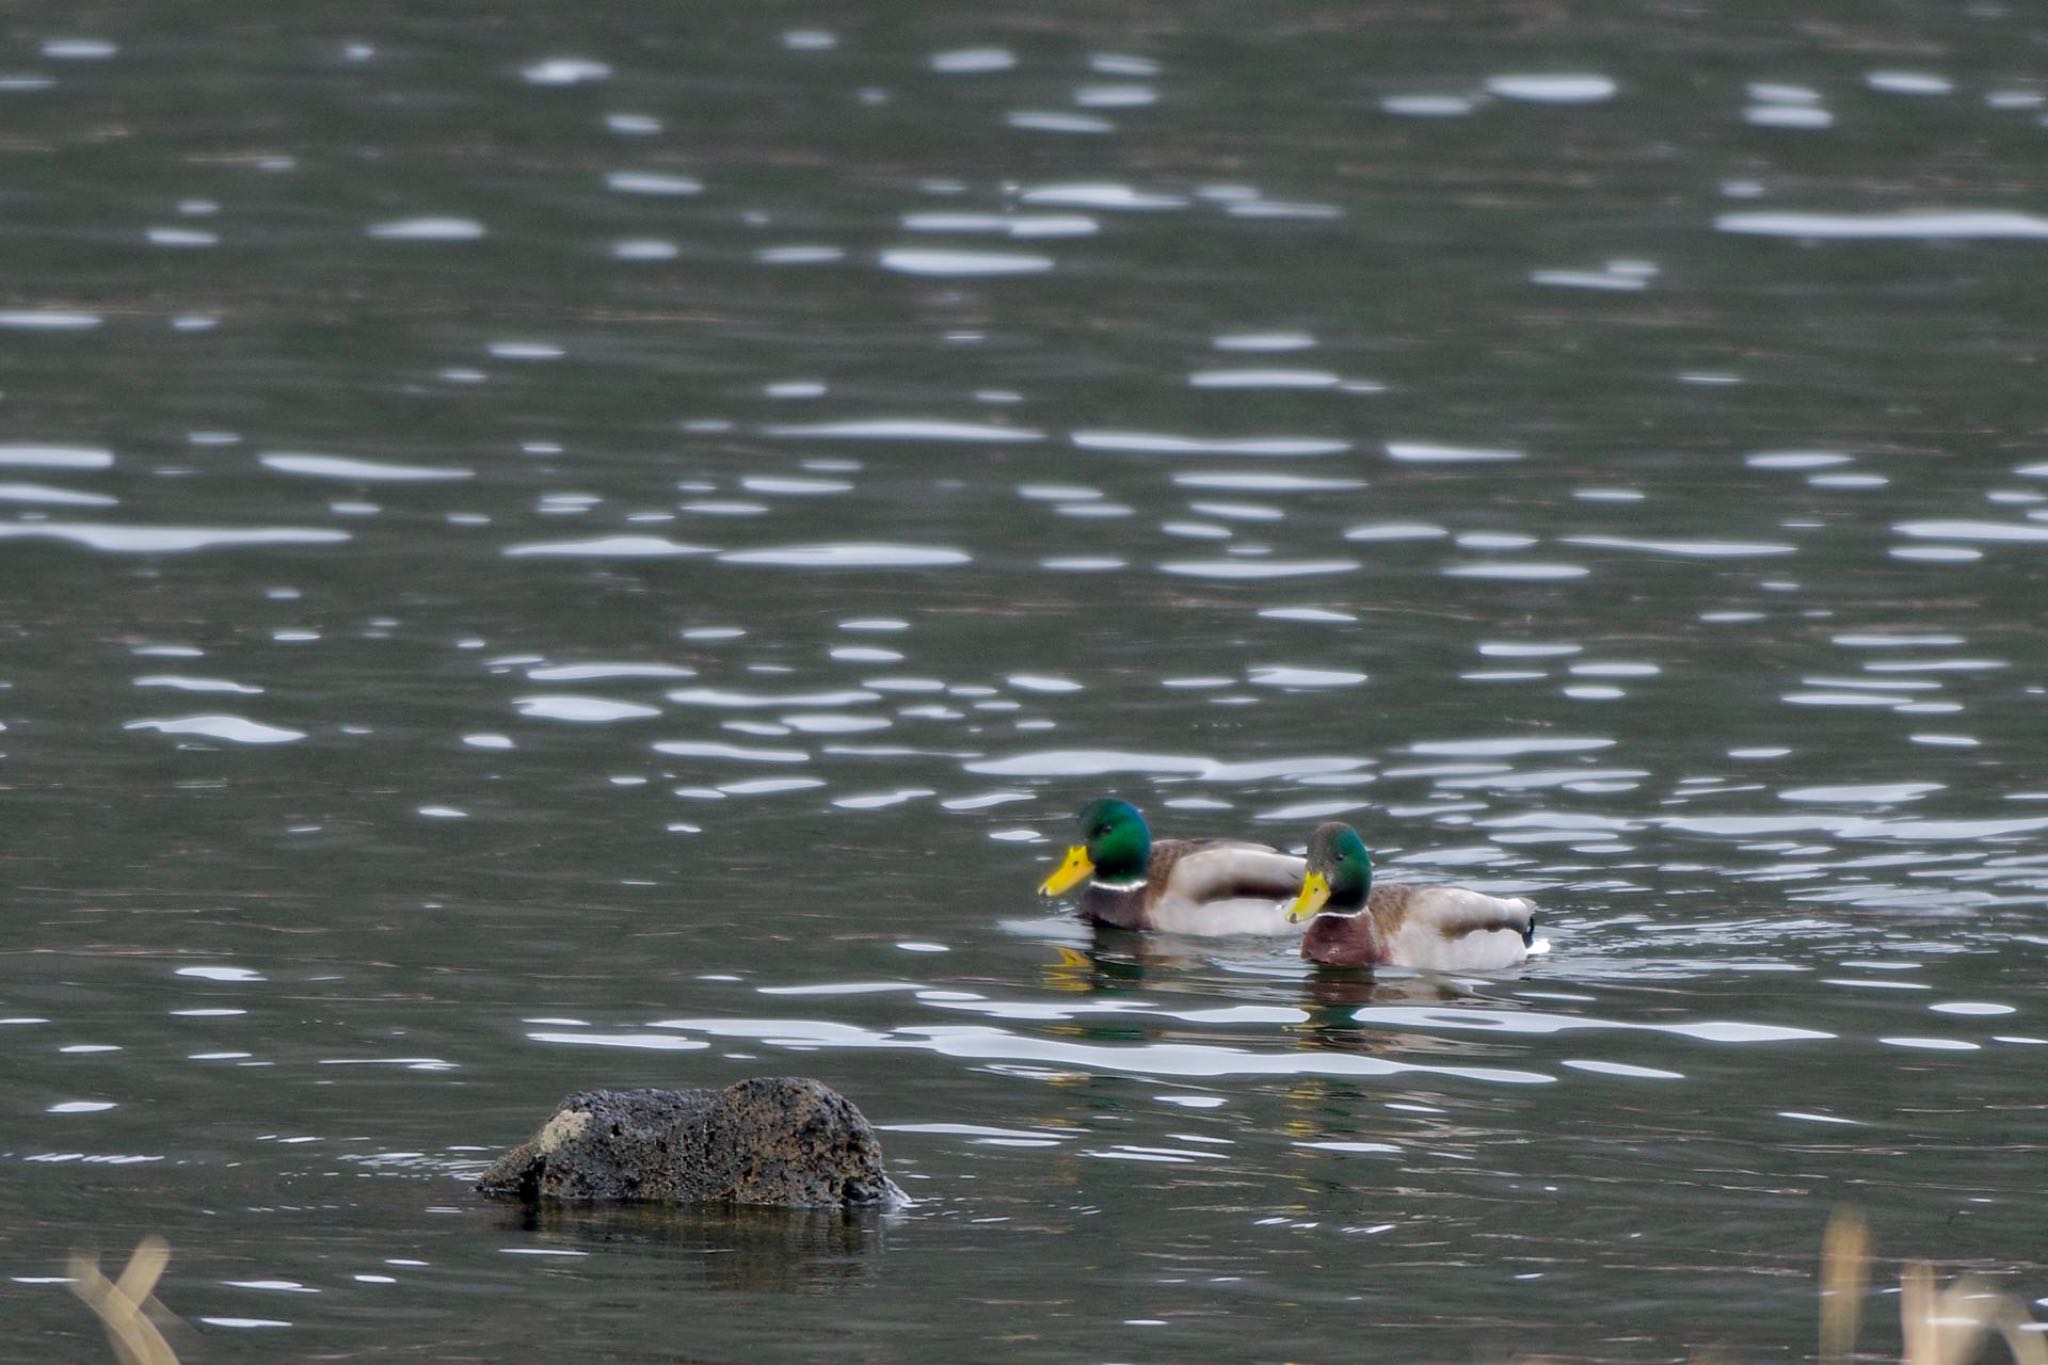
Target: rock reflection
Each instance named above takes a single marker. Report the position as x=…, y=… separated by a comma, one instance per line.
x=752, y=1250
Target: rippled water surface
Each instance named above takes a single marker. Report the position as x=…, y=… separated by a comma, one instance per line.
x=597, y=547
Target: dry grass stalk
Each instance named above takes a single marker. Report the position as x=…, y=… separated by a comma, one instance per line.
x=1944, y=1327
x=126, y=1307
x=1938, y=1326
x=1844, y=1273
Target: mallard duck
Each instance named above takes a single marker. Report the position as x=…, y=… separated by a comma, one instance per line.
x=1179, y=886
x=1360, y=923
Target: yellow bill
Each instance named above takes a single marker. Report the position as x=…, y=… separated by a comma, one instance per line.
x=1315, y=891
x=1077, y=868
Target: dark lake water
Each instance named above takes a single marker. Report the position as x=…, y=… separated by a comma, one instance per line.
x=598, y=546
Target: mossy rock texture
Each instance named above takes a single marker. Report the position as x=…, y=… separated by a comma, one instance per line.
x=773, y=1140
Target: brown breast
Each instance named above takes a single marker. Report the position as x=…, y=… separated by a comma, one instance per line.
x=1341, y=941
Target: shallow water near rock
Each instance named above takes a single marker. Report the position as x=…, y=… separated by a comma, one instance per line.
x=563, y=554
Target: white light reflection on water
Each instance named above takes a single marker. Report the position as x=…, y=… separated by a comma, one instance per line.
x=982, y=1134
x=1788, y=116
x=848, y=556
x=1284, y=676
x=595, y=671
x=647, y=182
x=1508, y=747
x=1239, y=569
x=1850, y=827
x=607, y=547
x=1396, y=531
x=37, y=456
x=723, y=697
x=234, y=974
x=645, y=249
x=1108, y=196
x=1909, y=82
x=359, y=471
x=584, y=710
x=902, y=429
x=692, y=748
x=1260, y=482
x=1318, y=615
x=980, y=1043
x=1525, y=571
x=1992, y=224
x=973, y=61
x=1155, y=443
x=954, y=263
x=1260, y=342
x=233, y=729
x=428, y=230
x=1429, y=106
x=1262, y=379
x=1057, y=121
x=1983, y=531
x=47, y=320
x=1687, y=549
x=1100, y=762
x=153, y=540
x=43, y=494
x=565, y=71
x=642, y=1042
x=1539, y=1022
x=1553, y=89
x=1624, y=1070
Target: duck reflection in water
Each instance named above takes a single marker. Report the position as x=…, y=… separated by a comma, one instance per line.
x=758, y=1250
x=1117, y=962
x=1121, y=962
x=1329, y=995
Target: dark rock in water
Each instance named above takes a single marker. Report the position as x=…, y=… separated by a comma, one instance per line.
x=777, y=1140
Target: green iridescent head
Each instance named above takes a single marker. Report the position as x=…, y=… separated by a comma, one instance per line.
x=1339, y=874
x=1114, y=847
